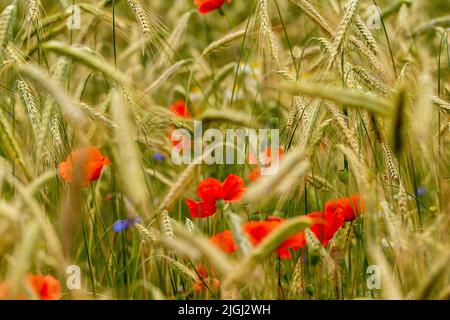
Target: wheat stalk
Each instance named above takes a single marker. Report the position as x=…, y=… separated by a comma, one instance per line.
x=98, y=116
x=390, y=161
x=31, y=103
x=148, y=22
x=147, y=234
x=343, y=96
x=402, y=203
x=318, y=182
x=166, y=225
x=128, y=154
x=48, y=232
x=267, y=38
x=238, y=234
x=224, y=41
x=22, y=259
x=191, y=226
x=370, y=81
x=174, y=41
x=170, y=71
x=293, y=115
x=7, y=19
x=366, y=35
x=292, y=167
x=314, y=15
x=367, y=55
x=89, y=60
x=315, y=247
x=431, y=24
x=177, y=189
x=102, y=110
x=11, y=146
x=357, y=166
x=70, y=110
x=319, y=135
x=51, y=118
x=297, y=277
x=342, y=30
x=343, y=124
x=33, y=18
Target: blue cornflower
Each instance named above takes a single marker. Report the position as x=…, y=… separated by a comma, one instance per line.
x=421, y=191
x=122, y=225
x=159, y=157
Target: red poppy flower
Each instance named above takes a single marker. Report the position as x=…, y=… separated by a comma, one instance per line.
x=201, y=209
x=326, y=225
x=44, y=287
x=203, y=279
x=350, y=207
x=224, y=240
x=88, y=160
x=258, y=230
x=205, y=6
x=211, y=190
x=180, y=109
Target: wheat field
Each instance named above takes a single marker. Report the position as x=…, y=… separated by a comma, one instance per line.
x=93, y=205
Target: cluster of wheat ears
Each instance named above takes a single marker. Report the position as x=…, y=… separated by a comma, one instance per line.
x=360, y=109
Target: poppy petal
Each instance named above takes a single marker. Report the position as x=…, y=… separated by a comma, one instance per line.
x=201, y=209
x=295, y=243
x=204, y=279
x=350, y=207
x=210, y=190
x=233, y=188
x=224, y=240
x=326, y=225
x=90, y=162
x=205, y=6
x=258, y=230
x=179, y=108
x=45, y=287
